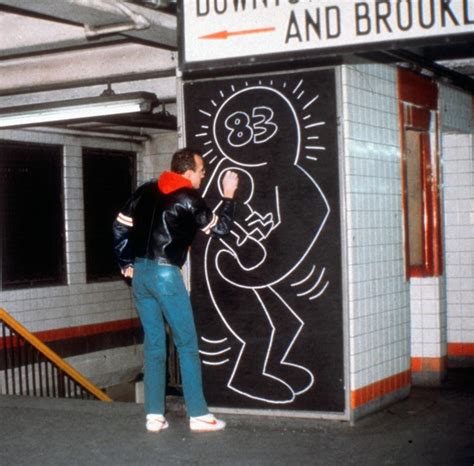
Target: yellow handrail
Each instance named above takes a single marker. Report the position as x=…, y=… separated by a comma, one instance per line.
x=52, y=356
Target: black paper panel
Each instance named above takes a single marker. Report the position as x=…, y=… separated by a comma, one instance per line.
x=268, y=297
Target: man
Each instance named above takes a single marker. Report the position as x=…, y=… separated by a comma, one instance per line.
x=152, y=235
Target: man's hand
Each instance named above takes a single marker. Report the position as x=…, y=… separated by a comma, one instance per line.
x=127, y=272
x=230, y=183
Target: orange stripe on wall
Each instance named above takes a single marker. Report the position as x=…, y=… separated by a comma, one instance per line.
x=84, y=330
x=428, y=364
x=378, y=389
x=460, y=349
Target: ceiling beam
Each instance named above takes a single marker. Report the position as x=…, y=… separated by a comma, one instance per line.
x=40, y=35
x=145, y=24
x=85, y=67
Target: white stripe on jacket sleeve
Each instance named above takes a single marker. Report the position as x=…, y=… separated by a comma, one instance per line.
x=124, y=220
x=211, y=224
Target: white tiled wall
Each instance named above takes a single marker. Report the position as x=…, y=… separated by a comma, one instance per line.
x=428, y=317
x=456, y=111
x=76, y=303
x=458, y=170
x=379, y=313
x=158, y=154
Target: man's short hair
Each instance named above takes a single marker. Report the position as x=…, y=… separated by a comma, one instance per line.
x=183, y=160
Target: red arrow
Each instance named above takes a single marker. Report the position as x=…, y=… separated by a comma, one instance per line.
x=226, y=34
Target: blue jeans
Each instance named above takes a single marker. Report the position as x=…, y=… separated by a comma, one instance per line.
x=159, y=294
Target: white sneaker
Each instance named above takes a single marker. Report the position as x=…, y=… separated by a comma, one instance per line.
x=156, y=422
x=206, y=423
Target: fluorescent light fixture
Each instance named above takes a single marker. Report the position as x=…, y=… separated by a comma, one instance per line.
x=78, y=109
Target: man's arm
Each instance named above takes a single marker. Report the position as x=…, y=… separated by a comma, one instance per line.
x=219, y=223
x=121, y=230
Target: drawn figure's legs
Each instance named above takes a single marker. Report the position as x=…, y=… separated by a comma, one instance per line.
x=285, y=336
x=253, y=328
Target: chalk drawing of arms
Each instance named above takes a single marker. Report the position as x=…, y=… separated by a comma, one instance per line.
x=246, y=242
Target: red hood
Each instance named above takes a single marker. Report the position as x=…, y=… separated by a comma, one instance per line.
x=170, y=181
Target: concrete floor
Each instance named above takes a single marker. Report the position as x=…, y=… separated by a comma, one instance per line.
x=434, y=426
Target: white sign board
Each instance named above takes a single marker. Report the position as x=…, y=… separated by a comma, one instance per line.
x=226, y=29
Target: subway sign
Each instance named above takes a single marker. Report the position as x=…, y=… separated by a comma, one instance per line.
x=231, y=29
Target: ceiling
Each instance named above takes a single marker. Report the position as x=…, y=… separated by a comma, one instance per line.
x=67, y=49
x=58, y=49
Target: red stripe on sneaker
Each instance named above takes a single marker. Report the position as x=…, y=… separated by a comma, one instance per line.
x=212, y=423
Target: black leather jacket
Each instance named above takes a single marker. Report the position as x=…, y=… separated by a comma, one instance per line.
x=159, y=226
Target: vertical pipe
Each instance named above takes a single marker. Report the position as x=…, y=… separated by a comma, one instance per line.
x=61, y=384
x=12, y=359
x=32, y=353
x=20, y=361
x=69, y=387
x=54, y=380
x=40, y=373
x=48, y=378
x=24, y=350
x=5, y=354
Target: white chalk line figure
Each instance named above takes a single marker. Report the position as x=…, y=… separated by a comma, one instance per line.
x=306, y=278
x=283, y=360
x=244, y=344
x=296, y=161
x=269, y=349
x=320, y=293
x=298, y=86
x=257, y=235
x=315, y=285
x=263, y=116
x=216, y=363
x=215, y=353
x=318, y=281
x=318, y=123
x=314, y=99
x=266, y=220
x=243, y=129
x=215, y=342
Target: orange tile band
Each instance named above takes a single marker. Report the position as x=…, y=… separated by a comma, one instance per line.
x=461, y=349
x=378, y=389
x=428, y=364
x=84, y=330
x=90, y=329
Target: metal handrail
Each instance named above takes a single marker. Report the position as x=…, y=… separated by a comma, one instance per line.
x=31, y=368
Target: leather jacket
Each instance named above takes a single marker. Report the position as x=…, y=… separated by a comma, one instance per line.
x=159, y=226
